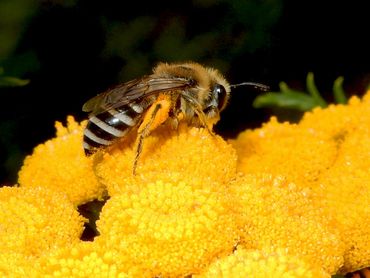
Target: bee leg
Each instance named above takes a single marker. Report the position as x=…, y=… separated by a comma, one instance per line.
x=156, y=115
x=201, y=116
x=175, y=120
x=203, y=120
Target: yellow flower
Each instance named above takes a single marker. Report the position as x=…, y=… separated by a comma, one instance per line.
x=187, y=154
x=298, y=207
x=86, y=259
x=300, y=154
x=171, y=229
x=345, y=192
x=275, y=214
x=345, y=186
x=337, y=120
x=258, y=264
x=326, y=154
x=16, y=265
x=61, y=164
x=35, y=220
x=176, y=209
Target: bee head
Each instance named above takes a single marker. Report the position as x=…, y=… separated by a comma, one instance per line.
x=219, y=94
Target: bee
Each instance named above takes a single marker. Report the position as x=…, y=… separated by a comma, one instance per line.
x=173, y=92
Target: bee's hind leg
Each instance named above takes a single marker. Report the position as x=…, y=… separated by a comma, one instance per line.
x=156, y=115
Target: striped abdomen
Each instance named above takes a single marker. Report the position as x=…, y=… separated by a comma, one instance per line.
x=102, y=129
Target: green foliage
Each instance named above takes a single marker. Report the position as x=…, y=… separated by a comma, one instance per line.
x=289, y=98
x=339, y=94
x=14, y=16
x=10, y=81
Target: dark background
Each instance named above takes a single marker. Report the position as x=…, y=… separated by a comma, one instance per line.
x=72, y=50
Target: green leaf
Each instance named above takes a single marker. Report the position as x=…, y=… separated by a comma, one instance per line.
x=313, y=91
x=8, y=81
x=287, y=99
x=299, y=100
x=339, y=94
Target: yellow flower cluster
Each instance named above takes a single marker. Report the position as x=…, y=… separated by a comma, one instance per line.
x=344, y=188
x=326, y=156
x=284, y=200
x=175, y=223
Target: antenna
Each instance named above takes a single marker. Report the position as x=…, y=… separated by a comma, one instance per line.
x=255, y=85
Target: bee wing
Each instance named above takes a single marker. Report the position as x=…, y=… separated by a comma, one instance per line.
x=133, y=90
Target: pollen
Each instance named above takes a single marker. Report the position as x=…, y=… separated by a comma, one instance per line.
x=156, y=115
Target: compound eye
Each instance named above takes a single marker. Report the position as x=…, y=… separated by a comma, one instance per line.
x=220, y=93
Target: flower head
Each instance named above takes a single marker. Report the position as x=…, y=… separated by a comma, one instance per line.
x=274, y=214
x=36, y=220
x=87, y=259
x=344, y=188
x=297, y=207
x=172, y=229
x=326, y=154
x=255, y=263
x=61, y=164
x=345, y=192
x=188, y=154
x=299, y=154
x=16, y=265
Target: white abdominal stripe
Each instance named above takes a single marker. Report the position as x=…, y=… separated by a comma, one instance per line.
x=102, y=129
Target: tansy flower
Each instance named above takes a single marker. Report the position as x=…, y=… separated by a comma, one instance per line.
x=258, y=264
x=61, y=164
x=187, y=154
x=337, y=120
x=285, y=149
x=87, y=259
x=16, y=265
x=171, y=229
x=327, y=154
x=274, y=214
x=302, y=188
x=35, y=220
x=345, y=191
